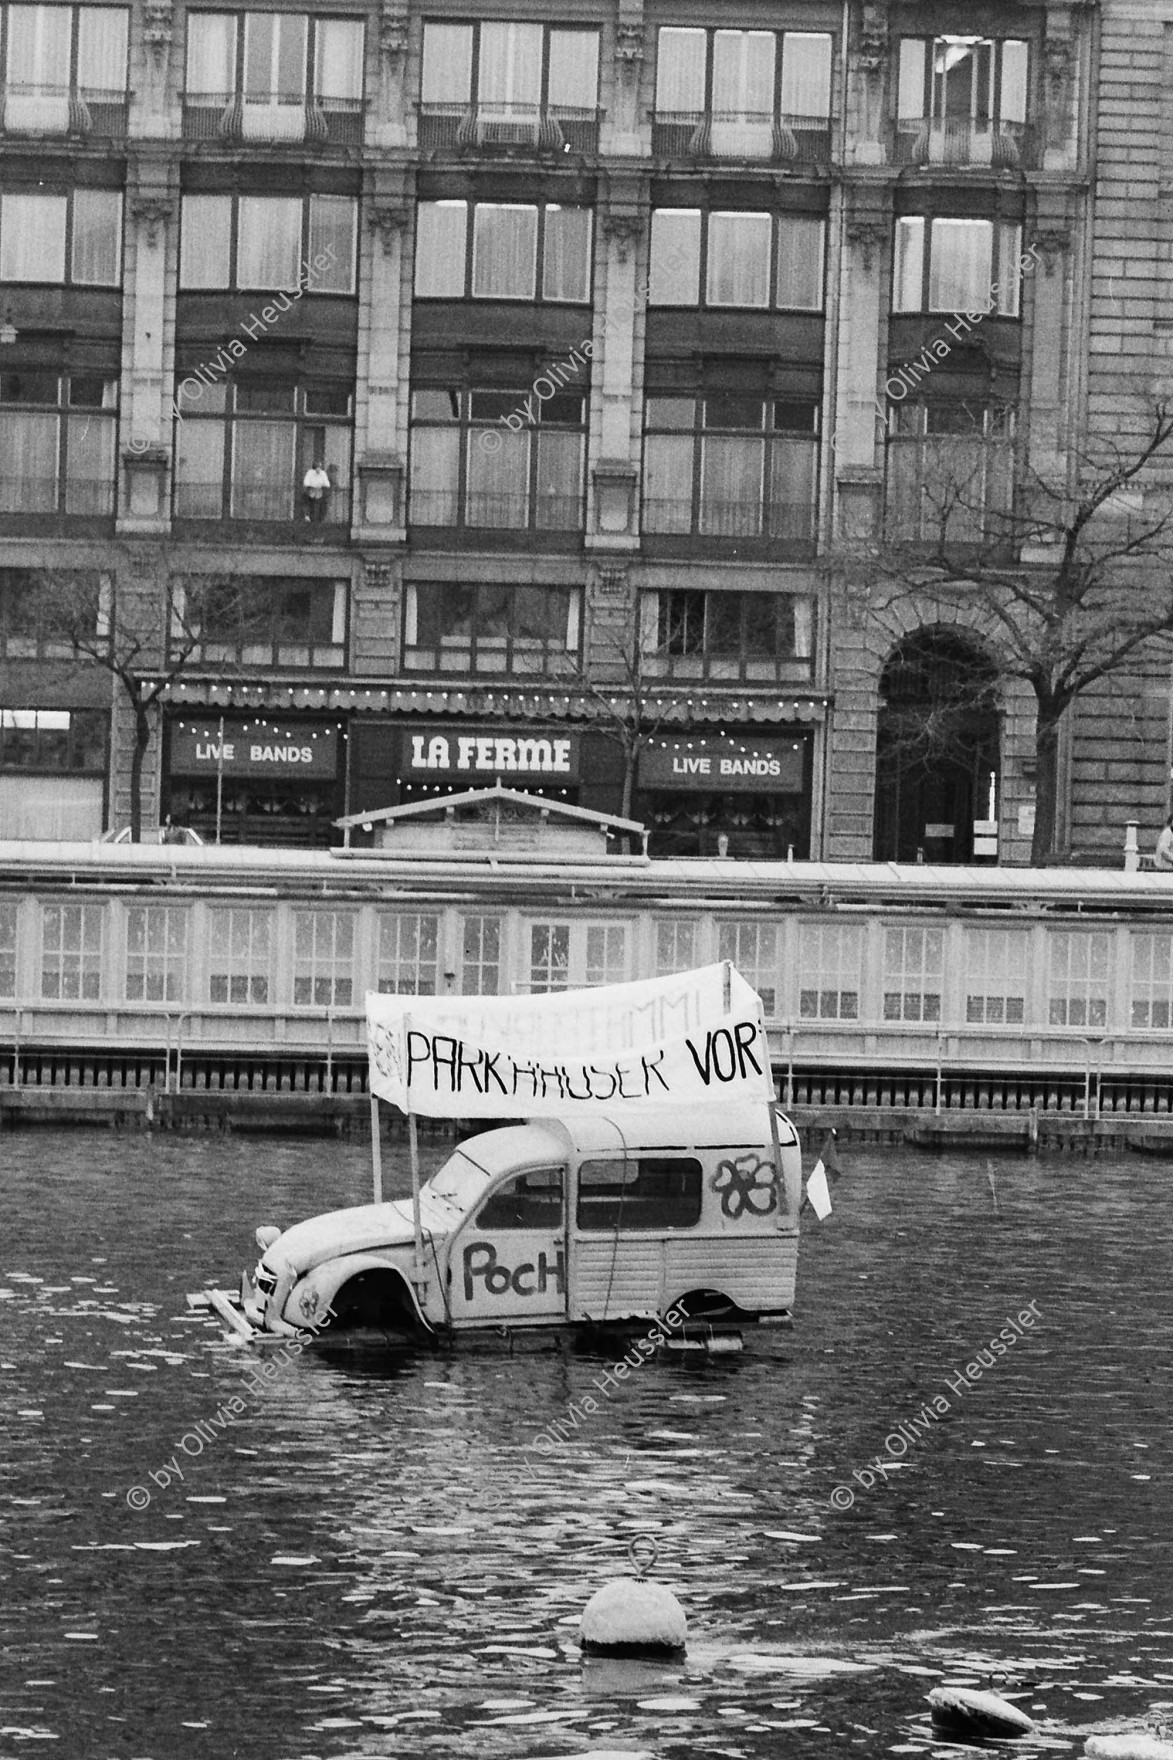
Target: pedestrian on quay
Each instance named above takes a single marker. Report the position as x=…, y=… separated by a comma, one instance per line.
x=1163, y=855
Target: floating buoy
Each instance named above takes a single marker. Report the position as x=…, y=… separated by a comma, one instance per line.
x=965, y=1712
x=631, y=1617
x=1140, y=1744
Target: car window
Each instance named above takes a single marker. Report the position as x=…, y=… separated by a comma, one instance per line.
x=529, y=1200
x=653, y=1191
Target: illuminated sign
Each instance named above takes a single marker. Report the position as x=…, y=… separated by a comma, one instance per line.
x=253, y=747
x=490, y=753
x=740, y=763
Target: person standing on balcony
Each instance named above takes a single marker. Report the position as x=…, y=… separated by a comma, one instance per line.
x=316, y=488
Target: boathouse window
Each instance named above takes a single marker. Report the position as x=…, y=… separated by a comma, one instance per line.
x=407, y=953
x=657, y=1191
x=7, y=950
x=1078, y=977
x=323, y=966
x=532, y=1200
x=676, y=944
x=831, y=971
x=912, y=974
x=1152, y=981
x=753, y=949
x=996, y=965
x=156, y=952
x=480, y=956
x=562, y=954
x=240, y=955
x=71, y=952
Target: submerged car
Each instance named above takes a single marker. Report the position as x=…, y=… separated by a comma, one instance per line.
x=688, y=1214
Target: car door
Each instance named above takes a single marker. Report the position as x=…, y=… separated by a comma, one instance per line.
x=508, y=1261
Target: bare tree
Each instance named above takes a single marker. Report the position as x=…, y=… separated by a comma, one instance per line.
x=145, y=624
x=629, y=699
x=1069, y=579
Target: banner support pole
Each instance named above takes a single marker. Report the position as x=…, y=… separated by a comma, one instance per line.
x=417, y=1268
x=376, y=1150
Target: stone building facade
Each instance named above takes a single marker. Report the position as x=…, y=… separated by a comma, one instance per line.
x=428, y=397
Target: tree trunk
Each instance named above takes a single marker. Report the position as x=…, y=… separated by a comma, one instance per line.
x=1042, y=849
x=142, y=739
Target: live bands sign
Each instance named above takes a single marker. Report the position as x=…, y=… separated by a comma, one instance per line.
x=287, y=749
x=744, y=765
x=489, y=753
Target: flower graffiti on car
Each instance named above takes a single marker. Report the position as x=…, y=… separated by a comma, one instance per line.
x=748, y=1182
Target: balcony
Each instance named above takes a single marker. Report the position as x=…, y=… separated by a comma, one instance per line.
x=544, y=512
x=261, y=503
x=507, y=128
x=958, y=140
x=76, y=497
x=727, y=134
x=228, y=117
x=63, y=110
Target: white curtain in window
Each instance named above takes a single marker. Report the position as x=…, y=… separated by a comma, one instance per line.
x=32, y=238
x=211, y=54
x=274, y=56
x=332, y=227
x=510, y=76
x=792, y=487
x=338, y=56
x=739, y=260
x=101, y=50
x=435, y=476
x=668, y=483
x=1008, y=274
x=441, y=230
x=505, y=238
x=801, y=240
x=572, y=82
x=205, y=241
x=447, y=70
x=28, y=461
x=566, y=257
x=38, y=49
x=1012, y=100
x=675, y=265
x=910, y=102
x=680, y=71
x=743, y=75
x=961, y=265
x=262, y=470
x=559, y=484
x=89, y=463
x=268, y=242
x=97, y=237
x=908, y=269
x=199, y=469
x=731, y=485
x=806, y=74
x=498, y=481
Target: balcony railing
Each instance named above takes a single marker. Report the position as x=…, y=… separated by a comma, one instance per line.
x=287, y=116
x=278, y=651
x=789, y=522
x=265, y=502
x=957, y=140
x=487, y=654
x=728, y=134
x=78, y=496
x=63, y=110
x=535, y=128
x=740, y=667
x=543, y=512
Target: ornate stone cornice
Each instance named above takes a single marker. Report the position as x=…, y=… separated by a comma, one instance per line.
x=871, y=53
x=625, y=230
x=158, y=20
x=392, y=30
x=152, y=214
x=869, y=235
x=387, y=220
x=1053, y=243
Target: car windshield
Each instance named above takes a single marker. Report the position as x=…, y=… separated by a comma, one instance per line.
x=460, y=1181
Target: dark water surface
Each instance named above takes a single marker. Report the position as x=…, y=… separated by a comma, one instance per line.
x=379, y=1560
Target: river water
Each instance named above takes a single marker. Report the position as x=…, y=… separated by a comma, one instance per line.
x=376, y=1558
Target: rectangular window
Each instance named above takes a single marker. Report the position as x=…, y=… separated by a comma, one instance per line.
x=503, y=251
x=1151, y=1007
x=504, y=84
x=565, y=955
x=489, y=628
x=945, y=264
x=407, y=953
x=754, y=950
x=267, y=448
x=950, y=473
x=606, y=953
x=261, y=620
x=271, y=76
x=689, y=633
x=53, y=741
x=676, y=944
x=57, y=443
x=750, y=260
x=8, y=949
x=268, y=243
x=477, y=462
x=156, y=952
x=71, y=952
x=549, y=957
x=323, y=962
x=742, y=94
x=480, y=956
x=1078, y=976
x=241, y=954
x=913, y=974
x=831, y=971
x=997, y=964
x=65, y=70
x=730, y=467
x=650, y=1191
x=963, y=101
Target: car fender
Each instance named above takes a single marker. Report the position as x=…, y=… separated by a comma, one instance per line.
x=311, y=1295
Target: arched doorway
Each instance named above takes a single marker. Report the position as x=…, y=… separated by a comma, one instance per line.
x=937, y=763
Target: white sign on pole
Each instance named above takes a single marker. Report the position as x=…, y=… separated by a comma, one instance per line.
x=693, y=1037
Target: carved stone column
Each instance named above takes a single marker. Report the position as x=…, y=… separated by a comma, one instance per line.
x=858, y=422
x=615, y=475
x=384, y=313
x=147, y=349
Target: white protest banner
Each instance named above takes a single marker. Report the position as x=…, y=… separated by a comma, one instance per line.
x=692, y=1037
